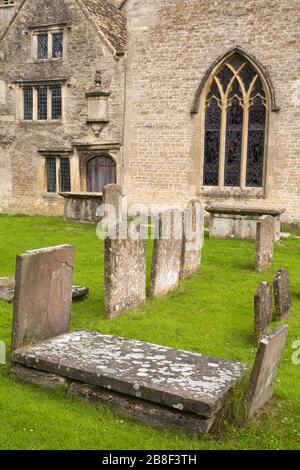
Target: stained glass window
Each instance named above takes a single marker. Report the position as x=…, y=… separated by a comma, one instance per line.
x=51, y=174
x=256, y=143
x=42, y=46
x=57, y=45
x=56, y=102
x=212, y=144
x=234, y=131
x=28, y=104
x=235, y=126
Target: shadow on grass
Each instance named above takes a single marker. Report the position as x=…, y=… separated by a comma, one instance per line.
x=244, y=266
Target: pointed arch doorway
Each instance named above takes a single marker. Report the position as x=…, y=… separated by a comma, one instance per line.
x=101, y=170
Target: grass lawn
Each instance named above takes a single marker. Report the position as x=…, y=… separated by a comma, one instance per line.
x=211, y=313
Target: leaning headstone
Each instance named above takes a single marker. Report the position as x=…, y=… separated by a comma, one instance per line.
x=265, y=243
x=193, y=237
x=263, y=310
x=125, y=273
x=7, y=289
x=43, y=295
x=282, y=294
x=166, y=263
x=113, y=195
x=265, y=370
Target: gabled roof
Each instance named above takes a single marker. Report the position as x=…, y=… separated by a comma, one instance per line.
x=49, y=12
x=108, y=20
x=118, y=3
x=104, y=14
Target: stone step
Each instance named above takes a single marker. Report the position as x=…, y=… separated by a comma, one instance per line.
x=180, y=380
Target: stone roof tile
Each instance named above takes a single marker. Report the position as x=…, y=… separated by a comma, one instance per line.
x=108, y=20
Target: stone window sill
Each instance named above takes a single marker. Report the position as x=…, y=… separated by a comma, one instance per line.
x=52, y=122
x=45, y=61
x=227, y=193
x=51, y=196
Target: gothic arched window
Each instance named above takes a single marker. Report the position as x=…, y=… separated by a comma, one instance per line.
x=235, y=126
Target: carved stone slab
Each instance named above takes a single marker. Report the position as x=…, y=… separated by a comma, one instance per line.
x=167, y=252
x=263, y=310
x=43, y=294
x=265, y=370
x=265, y=238
x=282, y=294
x=112, y=194
x=177, y=379
x=193, y=238
x=125, y=275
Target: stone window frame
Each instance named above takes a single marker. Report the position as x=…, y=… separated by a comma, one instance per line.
x=50, y=31
x=198, y=145
x=58, y=155
x=35, y=85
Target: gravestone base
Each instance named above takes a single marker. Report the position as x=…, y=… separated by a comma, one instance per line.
x=35, y=377
x=143, y=412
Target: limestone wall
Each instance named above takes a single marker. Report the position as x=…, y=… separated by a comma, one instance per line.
x=172, y=44
x=22, y=168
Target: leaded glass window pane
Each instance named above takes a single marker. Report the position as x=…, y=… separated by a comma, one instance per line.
x=42, y=103
x=256, y=143
x=57, y=45
x=65, y=178
x=42, y=46
x=51, y=174
x=28, y=104
x=56, y=102
x=236, y=93
x=212, y=144
x=233, y=151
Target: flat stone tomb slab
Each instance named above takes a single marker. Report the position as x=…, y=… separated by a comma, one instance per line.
x=181, y=380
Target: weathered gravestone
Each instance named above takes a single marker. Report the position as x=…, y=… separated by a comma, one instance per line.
x=125, y=272
x=265, y=243
x=166, y=263
x=43, y=295
x=282, y=294
x=113, y=195
x=265, y=370
x=263, y=310
x=7, y=289
x=193, y=237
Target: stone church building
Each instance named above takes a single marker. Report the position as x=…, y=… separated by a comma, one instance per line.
x=170, y=98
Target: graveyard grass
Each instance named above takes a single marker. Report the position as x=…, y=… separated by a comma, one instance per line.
x=210, y=313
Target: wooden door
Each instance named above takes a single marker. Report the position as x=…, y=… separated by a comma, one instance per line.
x=101, y=171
